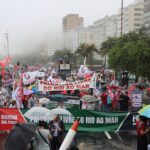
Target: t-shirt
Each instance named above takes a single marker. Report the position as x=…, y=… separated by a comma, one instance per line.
x=140, y=126
x=104, y=98
x=56, y=124
x=124, y=102
x=41, y=144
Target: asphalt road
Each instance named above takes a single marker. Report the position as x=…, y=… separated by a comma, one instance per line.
x=98, y=141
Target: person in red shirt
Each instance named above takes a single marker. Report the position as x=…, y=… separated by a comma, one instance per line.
x=104, y=101
x=142, y=131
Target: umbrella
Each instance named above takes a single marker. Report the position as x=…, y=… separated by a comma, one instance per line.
x=88, y=98
x=20, y=136
x=60, y=111
x=44, y=100
x=59, y=98
x=38, y=113
x=145, y=111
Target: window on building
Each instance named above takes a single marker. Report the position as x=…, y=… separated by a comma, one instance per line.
x=137, y=25
x=138, y=14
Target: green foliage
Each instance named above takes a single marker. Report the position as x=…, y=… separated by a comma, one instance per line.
x=130, y=52
x=87, y=50
x=61, y=53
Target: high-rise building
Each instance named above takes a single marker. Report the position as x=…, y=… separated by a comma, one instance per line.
x=132, y=17
x=54, y=43
x=104, y=28
x=72, y=21
x=82, y=35
x=147, y=15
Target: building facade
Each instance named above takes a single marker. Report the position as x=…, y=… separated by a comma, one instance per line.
x=147, y=15
x=133, y=16
x=72, y=21
x=104, y=28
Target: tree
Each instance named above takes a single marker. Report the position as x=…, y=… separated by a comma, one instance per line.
x=132, y=53
x=62, y=54
x=87, y=50
x=107, y=45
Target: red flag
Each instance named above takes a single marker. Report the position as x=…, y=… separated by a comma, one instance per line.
x=3, y=64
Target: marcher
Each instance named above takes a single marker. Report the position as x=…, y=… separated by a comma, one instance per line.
x=57, y=129
x=124, y=101
x=104, y=101
x=13, y=104
x=142, y=131
x=2, y=99
x=43, y=137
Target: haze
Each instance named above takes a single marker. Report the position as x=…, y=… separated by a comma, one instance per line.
x=28, y=21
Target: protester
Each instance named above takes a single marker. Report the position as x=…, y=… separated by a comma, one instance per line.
x=2, y=99
x=124, y=101
x=31, y=102
x=43, y=137
x=142, y=131
x=13, y=104
x=57, y=129
x=104, y=101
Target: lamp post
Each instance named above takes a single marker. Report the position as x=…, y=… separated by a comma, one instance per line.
x=78, y=33
x=7, y=40
x=121, y=18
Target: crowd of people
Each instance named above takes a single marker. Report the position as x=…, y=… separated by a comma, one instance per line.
x=110, y=95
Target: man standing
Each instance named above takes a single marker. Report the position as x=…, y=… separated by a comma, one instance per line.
x=124, y=101
x=57, y=128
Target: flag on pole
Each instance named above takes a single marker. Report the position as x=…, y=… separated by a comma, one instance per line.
x=18, y=93
x=3, y=64
x=83, y=70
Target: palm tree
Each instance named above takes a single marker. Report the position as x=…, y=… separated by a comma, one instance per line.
x=87, y=50
x=107, y=45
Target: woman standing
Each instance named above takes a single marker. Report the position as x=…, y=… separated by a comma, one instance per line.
x=43, y=137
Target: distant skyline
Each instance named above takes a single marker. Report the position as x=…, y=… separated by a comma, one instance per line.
x=25, y=19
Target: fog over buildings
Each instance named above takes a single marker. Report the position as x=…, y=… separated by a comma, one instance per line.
x=32, y=23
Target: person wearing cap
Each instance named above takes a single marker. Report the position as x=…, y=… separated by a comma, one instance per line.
x=57, y=129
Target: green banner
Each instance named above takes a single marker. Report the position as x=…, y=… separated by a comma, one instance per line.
x=67, y=105
x=93, y=121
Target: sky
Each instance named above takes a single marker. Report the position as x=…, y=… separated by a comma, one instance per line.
x=26, y=20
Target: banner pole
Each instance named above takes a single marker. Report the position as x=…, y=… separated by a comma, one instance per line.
x=108, y=135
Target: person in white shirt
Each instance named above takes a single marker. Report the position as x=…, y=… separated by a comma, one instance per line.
x=43, y=137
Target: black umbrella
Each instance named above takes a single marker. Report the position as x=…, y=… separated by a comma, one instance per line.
x=20, y=136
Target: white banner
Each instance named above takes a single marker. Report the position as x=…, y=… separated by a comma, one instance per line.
x=47, y=86
x=40, y=74
x=29, y=77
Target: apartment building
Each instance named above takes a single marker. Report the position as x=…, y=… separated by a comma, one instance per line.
x=72, y=21
x=147, y=15
x=132, y=17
